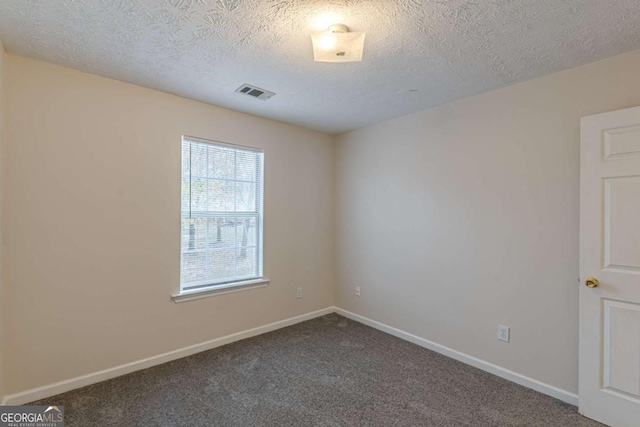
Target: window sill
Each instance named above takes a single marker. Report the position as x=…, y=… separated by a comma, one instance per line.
x=220, y=290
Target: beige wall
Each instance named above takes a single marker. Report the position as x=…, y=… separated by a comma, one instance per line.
x=452, y=220
x=458, y=218
x=92, y=214
x=2, y=129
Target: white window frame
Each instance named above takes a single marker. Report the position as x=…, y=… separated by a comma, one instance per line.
x=204, y=290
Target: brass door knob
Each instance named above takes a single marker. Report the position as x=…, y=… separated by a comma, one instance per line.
x=591, y=282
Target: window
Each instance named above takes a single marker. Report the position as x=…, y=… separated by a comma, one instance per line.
x=221, y=235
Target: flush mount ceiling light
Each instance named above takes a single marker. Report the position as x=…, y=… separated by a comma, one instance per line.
x=337, y=44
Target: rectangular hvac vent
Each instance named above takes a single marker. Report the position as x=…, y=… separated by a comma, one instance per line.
x=255, y=92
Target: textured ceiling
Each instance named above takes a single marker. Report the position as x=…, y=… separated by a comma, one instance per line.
x=204, y=49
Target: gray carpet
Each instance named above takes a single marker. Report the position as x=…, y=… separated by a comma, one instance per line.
x=328, y=371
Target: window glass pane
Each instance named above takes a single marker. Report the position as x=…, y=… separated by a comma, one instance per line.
x=221, y=233
x=193, y=234
x=199, y=160
x=222, y=264
x=245, y=197
x=246, y=232
x=221, y=214
x=221, y=163
x=193, y=268
x=246, y=261
x=186, y=201
x=221, y=196
x=186, y=160
x=246, y=166
x=198, y=194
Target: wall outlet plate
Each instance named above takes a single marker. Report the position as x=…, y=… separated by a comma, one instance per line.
x=357, y=291
x=504, y=333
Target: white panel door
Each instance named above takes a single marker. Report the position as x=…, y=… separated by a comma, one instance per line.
x=610, y=252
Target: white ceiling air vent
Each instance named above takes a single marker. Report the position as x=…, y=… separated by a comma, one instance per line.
x=255, y=92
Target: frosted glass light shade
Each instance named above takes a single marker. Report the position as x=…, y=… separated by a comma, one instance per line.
x=337, y=47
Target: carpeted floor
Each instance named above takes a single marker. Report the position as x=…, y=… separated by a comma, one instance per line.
x=328, y=371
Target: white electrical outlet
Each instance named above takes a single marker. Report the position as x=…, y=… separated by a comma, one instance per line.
x=357, y=291
x=504, y=333
x=299, y=293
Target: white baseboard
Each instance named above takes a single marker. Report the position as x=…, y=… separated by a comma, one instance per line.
x=515, y=377
x=85, y=380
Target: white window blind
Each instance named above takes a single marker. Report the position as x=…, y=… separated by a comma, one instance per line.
x=222, y=191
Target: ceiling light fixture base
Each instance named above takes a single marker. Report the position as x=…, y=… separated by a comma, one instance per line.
x=338, y=28
x=337, y=44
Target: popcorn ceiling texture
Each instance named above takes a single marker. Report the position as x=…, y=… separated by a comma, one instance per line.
x=205, y=49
